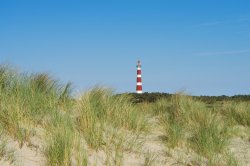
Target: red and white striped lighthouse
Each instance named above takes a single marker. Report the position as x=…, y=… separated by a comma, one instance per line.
x=139, y=80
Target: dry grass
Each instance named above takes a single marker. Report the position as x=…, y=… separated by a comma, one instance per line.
x=37, y=100
x=109, y=123
x=98, y=108
x=191, y=123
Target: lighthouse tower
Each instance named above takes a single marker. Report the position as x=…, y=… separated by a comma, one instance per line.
x=139, y=80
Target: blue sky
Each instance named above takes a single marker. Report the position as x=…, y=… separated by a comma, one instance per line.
x=201, y=47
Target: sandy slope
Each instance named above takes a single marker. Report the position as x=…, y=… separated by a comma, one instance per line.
x=153, y=151
x=240, y=148
x=25, y=156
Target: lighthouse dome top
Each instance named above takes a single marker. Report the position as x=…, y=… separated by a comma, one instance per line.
x=138, y=63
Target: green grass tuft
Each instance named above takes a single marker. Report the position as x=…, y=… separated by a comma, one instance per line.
x=99, y=107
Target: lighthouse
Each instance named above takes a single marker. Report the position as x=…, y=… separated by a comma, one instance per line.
x=138, y=80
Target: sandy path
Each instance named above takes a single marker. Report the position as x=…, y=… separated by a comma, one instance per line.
x=241, y=150
x=153, y=150
x=154, y=145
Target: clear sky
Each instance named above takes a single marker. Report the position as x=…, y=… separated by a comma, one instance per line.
x=199, y=46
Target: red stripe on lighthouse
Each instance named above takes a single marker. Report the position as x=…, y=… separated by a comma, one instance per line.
x=139, y=79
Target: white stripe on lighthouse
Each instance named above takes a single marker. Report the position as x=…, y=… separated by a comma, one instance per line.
x=138, y=75
x=138, y=68
x=138, y=83
x=139, y=91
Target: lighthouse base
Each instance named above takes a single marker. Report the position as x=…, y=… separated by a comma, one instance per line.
x=139, y=92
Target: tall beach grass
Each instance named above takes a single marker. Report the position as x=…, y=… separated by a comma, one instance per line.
x=190, y=123
x=103, y=120
x=99, y=120
x=98, y=109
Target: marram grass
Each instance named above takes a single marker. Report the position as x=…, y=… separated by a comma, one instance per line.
x=108, y=122
x=99, y=107
x=191, y=123
x=28, y=101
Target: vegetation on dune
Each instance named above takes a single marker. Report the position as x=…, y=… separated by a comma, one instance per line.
x=155, y=96
x=26, y=100
x=99, y=110
x=192, y=123
x=237, y=112
x=101, y=120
